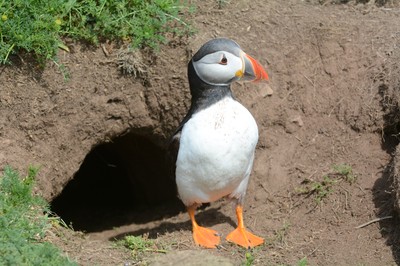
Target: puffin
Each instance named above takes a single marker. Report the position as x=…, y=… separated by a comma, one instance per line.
x=214, y=145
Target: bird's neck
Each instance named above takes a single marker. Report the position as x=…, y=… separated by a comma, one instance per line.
x=204, y=94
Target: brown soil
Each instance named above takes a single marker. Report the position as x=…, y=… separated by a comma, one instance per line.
x=99, y=137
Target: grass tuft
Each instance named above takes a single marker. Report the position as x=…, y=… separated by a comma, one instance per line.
x=23, y=223
x=249, y=259
x=345, y=171
x=321, y=189
x=140, y=245
x=302, y=262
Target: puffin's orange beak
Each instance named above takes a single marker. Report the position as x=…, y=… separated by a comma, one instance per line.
x=253, y=71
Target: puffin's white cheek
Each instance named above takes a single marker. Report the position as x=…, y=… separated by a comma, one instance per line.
x=211, y=71
x=215, y=74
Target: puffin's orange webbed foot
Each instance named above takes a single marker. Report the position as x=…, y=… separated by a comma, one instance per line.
x=205, y=237
x=244, y=238
x=240, y=235
x=202, y=236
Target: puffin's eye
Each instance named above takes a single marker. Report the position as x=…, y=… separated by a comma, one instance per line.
x=223, y=61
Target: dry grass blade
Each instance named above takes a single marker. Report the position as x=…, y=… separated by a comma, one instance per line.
x=373, y=221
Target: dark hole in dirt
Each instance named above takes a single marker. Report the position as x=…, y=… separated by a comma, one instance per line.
x=120, y=182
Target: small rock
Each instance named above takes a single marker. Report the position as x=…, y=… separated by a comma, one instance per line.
x=265, y=90
x=297, y=120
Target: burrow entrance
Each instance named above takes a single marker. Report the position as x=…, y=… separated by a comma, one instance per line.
x=120, y=182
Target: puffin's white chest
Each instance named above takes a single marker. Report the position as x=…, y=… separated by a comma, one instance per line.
x=216, y=152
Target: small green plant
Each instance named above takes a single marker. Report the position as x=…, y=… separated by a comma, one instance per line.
x=282, y=232
x=23, y=223
x=249, y=259
x=63, y=70
x=222, y=3
x=302, y=262
x=346, y=172
x=139, y=245
x=321, y=189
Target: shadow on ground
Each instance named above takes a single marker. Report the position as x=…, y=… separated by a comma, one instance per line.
x=384, y=200
x=206, y=218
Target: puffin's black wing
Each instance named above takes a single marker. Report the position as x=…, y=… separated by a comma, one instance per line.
x=172, y=153
x=173, y=146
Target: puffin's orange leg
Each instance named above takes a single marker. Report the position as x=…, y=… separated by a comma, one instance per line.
x=240, y=235
x=202, y=236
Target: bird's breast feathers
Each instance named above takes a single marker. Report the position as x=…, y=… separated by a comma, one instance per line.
x=216, y=151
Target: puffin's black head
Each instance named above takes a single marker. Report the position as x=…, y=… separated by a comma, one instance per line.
x=221, y=61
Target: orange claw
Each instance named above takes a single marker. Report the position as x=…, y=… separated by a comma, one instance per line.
x=241, y=236
x=202, y=236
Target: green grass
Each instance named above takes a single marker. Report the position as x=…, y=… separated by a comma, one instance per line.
x=37, y=27
x=23, y=223
x=321, y=189
x=302, y=262
x=140, y=245
x=345, y=171
x=222, y=3
x=249, y=259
